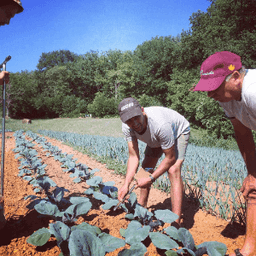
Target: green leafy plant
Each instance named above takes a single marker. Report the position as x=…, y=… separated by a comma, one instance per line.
x=103, y=191
x=57, y=206
x=79, y=240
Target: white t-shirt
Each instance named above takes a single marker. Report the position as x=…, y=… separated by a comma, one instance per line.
x=164, y=127
x=245, y=109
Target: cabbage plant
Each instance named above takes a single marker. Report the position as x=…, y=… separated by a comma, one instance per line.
x=79, y=240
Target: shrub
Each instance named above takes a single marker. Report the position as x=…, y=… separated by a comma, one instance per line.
x=102, y=106
x=148, y=101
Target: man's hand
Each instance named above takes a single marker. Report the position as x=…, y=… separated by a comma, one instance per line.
x=144, y=183
x=123, y=192
x=4, y=75
x=249, y=185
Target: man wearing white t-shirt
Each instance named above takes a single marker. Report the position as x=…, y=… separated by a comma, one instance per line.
x=164, y=131
x=234, y=87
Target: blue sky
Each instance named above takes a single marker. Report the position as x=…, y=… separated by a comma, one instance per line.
x=84, y=25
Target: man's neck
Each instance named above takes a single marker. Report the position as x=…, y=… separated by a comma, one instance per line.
x=145, y=122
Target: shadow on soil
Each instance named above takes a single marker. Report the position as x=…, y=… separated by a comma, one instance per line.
x=233, y=230
x=19, y=226
x=190, y=207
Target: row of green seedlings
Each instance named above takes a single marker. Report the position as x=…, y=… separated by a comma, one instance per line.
x=215, y=183
x=223, y=199
x=78, y=171
x=144, y=224
x=199, y=170
x=216, y=198
x=205, y=195
x=31, y=167
x=70, y=237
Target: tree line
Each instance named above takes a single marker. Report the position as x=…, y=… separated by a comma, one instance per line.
x=160, y=71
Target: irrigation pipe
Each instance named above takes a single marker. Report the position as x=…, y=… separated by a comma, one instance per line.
x=3, y=65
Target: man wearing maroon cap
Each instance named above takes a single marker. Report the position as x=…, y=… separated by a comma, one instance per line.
x=234, y=87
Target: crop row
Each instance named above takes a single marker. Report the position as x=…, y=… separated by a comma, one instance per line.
x=85, y=239
x=212, y=176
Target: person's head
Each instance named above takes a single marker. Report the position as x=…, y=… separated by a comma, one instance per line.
x=8, y=8
x=221, y=76
x=132, y=114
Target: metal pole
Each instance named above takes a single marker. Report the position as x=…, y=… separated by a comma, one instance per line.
x=3, y=65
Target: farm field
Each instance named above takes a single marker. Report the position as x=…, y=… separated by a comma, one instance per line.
x=22, y=222
x=101, y=127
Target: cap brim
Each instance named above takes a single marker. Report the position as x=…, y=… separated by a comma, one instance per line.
x=209, y=84
x=21, y=9
x=128, y=115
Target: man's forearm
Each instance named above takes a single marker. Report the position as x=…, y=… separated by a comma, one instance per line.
x=163, y=167
x=246, y=146
x=132, y=166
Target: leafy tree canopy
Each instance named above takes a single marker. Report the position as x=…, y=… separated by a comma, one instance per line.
x=55, y=58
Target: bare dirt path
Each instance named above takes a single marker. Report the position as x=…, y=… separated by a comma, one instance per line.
x=22, y=222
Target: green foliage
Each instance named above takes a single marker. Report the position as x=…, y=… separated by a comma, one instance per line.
x=196, y=106
x=224, y=27
x=84, y=239
x=147, y=101
x=20, y=96
x=55, y=58
x=160, y=71
x=82, y=74
x=102, y=106
x=40, y=237
x=157, y=59
x=72, y=106
x=213, y=119
x=179, y=97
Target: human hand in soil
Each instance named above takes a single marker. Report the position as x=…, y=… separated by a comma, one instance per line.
x=249, y=185
x=4, y=75
x=122, y=192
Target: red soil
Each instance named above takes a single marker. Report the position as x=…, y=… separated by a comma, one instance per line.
x=21, y=222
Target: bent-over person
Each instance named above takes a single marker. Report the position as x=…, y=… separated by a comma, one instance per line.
x=234, y=87
x=164, y=131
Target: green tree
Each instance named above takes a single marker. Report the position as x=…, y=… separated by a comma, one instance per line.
x=22, y=94
x=123, y=81
x=82, y=79
x=102, y=106
x=227, y=25
x=55, y=58
x=148, y=101
x=56, y=87
x=197, y=108
x=107, y=72
x=73, y=106
x=158, y=60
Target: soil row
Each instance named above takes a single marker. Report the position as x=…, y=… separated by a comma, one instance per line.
x=22, y=222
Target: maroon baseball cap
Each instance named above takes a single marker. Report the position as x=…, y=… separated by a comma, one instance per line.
x=215, y=69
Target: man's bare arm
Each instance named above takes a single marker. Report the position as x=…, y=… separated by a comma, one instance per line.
x=167, y=162
x=133, y=161
x=246, y=145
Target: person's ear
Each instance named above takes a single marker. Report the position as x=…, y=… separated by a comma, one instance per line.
x=236, y=75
